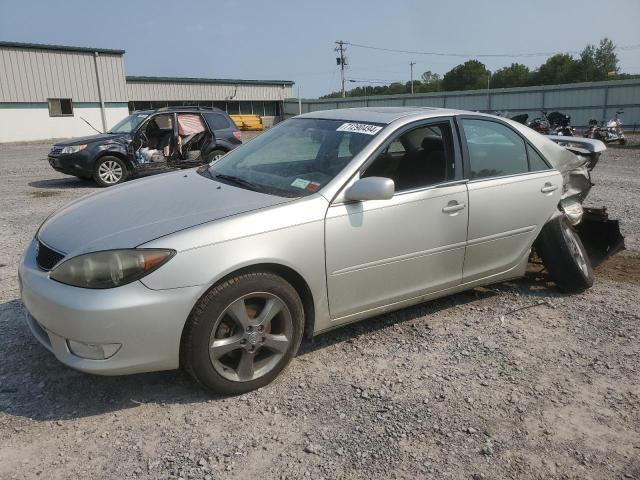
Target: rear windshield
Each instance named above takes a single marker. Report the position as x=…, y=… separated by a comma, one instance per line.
x=296, y=158
x=216, y=121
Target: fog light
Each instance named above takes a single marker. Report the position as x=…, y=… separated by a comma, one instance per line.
x=93, y=351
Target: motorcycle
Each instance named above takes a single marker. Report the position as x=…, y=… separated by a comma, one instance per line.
x=561, y=124
x=541, y=124
x=608, y=132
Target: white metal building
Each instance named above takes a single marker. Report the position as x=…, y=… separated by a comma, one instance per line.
x=54, y=91
x=258, y=97
x=47, y=90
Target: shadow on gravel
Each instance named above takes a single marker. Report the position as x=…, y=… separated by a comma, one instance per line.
x=33, y=384
x=535, y=285
x=63, y=183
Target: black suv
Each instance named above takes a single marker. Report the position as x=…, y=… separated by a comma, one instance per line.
x=148, y=140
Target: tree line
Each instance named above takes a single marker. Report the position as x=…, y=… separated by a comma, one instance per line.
x=593, y=64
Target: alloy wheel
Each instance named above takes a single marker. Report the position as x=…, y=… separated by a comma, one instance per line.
x=575, y=249
x=110, y=172
x=251, y=336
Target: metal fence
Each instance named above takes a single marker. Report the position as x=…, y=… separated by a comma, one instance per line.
x=582, y=101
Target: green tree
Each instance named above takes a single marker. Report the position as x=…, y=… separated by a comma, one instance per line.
x=430, y=82
x=515, y=75
x=559, y=68
x=588, y=69
x=470, y=75
x=396, y=88
x=605, y=59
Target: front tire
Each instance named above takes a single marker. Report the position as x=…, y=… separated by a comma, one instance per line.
x=109, y=171
x=564, y=255
x=243, y=333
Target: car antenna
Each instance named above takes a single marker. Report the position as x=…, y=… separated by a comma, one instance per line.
x=87, y=122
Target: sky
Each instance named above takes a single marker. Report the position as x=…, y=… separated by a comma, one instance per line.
x=294, y=40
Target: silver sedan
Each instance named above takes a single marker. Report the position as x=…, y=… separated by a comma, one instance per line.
x=328, y=218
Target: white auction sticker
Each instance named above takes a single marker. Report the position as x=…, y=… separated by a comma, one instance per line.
x=359, y=128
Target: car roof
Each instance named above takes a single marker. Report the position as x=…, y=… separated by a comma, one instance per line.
x=384, y=115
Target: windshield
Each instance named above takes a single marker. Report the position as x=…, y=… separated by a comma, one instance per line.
x=128, y=124
x=296, y=158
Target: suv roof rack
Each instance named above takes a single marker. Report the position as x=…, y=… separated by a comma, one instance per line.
x=188, y=107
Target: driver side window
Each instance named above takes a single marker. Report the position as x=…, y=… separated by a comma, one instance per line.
x=418, y=158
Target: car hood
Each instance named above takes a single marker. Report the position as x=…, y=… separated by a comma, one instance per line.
x=140, y=211
x=102, y=137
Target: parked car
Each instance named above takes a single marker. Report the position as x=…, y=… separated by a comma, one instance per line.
x=175, y=137
x=328, y=218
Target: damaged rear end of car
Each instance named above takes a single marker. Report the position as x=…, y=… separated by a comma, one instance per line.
x=576, y=238
x=600, y=234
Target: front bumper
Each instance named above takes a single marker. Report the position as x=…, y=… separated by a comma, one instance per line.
x=80, y=163
x=147, y=323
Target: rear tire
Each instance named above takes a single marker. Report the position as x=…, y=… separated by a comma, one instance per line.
x=227, y=348
x=109, y=171
x=564, y=256
x=215, y=155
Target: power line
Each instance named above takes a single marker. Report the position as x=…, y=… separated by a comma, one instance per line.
x=383, y=82
x=479, y=55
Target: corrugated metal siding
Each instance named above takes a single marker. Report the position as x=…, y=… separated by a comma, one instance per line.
x=31, y=75
x=575, y=98
x=175, y=91
x=521, y=101
x=583, y=101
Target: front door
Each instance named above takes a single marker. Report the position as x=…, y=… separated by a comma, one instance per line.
x=153, y=144
x=385, y=251
x=512, y=193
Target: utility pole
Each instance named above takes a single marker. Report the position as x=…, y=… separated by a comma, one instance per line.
x=342, y=61
x=411, y=64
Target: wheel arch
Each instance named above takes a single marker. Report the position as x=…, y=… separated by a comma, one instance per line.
x=118, y=155
x=296, y=280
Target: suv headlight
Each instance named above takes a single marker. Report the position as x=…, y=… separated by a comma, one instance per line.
x=73, y=148
x=110, y=268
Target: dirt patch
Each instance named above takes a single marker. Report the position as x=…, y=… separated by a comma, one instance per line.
x=623, y=268
x=43, y=194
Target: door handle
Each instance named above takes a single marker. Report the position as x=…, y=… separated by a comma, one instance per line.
x=548, y=188
x=453, y=207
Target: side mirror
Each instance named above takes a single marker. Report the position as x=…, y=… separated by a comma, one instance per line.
x=371, y=188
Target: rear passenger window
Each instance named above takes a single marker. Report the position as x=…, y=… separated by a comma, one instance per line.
x=418, y=158
x=216, y=121
x=494, y=150
x=536, y=162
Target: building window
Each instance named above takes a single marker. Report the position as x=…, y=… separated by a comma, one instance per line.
x=60, y=107
x=270, y=109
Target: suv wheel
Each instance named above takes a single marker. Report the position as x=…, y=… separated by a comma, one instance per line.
x=109, y=171
x=243, y=333
x=215, y=155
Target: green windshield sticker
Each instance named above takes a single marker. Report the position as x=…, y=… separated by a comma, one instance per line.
x=300, y=183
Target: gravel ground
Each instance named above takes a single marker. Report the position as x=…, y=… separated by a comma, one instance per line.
x=511, y=381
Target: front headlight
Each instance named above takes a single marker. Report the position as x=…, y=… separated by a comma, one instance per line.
x=73, y=148
x=110, y=268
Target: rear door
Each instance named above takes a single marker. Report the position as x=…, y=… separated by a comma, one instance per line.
x=512, y=193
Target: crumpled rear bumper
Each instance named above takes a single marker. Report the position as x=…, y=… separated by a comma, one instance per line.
x=600, y=236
